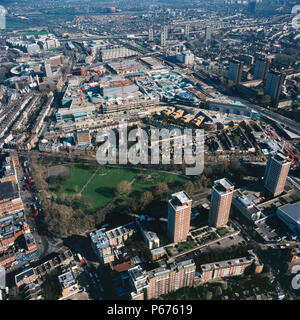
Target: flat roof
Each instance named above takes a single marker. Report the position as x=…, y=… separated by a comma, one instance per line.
x=8, y=190
x=181, y=196
x=292, y=211
x=223, y=185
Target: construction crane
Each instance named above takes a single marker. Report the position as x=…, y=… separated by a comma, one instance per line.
x=132, y=67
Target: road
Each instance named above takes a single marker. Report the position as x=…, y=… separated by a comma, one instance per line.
x=46, y=244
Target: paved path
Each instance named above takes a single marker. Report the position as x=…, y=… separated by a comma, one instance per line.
x=90, y=179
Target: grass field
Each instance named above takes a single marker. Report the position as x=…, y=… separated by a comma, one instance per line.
x=102, y=187
x=31, y=33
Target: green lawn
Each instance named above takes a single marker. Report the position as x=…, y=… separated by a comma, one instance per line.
x=31, y=33
x=102, y=187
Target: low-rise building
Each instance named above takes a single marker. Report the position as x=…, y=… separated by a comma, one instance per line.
x=246, y=206
x=147, y=285
x=150, y=237
x=26, y=277
x=83, y=137
x=102, y=247
x=10, y=200
x=290, y=215
x=233, y=267
x=68, y=283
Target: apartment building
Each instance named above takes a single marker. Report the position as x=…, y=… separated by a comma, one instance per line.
x=10, y=200
x=179, y=216
x=220, y=203
x=233, y=267
x=149, y=285
x=276, y=173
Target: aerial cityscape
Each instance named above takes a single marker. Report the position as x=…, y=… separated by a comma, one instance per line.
x=150, y=150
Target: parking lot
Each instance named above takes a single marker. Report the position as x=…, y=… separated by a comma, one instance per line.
x=272, y=230
x=230, y=242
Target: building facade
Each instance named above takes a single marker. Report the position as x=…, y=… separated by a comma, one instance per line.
x=233, y=267
x=220, y=203
x=179, y=216
x=276, y=173
x=235, y=71
x=273, y=85
x=163, y=280
x=261, y=69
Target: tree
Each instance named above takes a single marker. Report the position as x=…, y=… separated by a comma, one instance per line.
x=76, y=188
x=266, y=100
x=219, y=291
x=58, y=187
x=209, y=295
x=161, y=189
x=229, y=84
x=123, y=188
x=52, y=180
x=146, y=198
x=225, y=285
x=189, y=187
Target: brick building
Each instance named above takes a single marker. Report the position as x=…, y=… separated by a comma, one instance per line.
x=149, y=285
x=233, y=267
x=179, y=216
x=10, y=200
x=276, y=173
x=220, y=203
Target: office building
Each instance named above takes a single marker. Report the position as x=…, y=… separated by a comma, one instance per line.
x=48, y=70
x=235, y=71
x=220, y=203
x=261, y=69
x=164, y=37
x=150, y=34
x=273, y=85
x=179, y=216
x=187, y=31
x=207, y=34
x=276, y=173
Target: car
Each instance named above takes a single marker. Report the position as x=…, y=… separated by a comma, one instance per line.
x=218, y=242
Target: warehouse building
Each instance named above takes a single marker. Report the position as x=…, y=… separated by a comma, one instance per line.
x=290, y=215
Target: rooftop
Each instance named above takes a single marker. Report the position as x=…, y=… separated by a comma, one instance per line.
x=8, y=190
x=223, y=185
x=180, y=198
x=292, y=211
